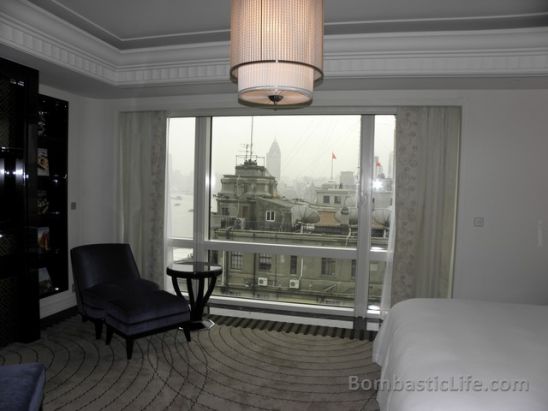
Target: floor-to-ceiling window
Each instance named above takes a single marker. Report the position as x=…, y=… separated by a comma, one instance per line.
x=295, y=208
x=181, y=134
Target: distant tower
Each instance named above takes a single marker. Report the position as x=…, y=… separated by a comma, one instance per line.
x=274, y=160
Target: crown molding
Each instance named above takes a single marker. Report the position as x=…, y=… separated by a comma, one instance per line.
x=46, y=37
x=486, y=53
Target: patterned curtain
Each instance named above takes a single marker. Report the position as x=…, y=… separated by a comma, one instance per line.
x=142, y=138
x=427, y=151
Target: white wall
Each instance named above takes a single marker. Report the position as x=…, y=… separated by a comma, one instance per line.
x=92, y=153
x=503, y=178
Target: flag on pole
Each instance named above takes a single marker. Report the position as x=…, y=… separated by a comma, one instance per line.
x=333, y=157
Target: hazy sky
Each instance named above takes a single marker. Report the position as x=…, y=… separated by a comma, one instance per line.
x=306, y=143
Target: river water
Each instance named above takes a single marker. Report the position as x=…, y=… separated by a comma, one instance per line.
x=180, y=215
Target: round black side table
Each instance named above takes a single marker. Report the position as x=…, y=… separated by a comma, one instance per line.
x=200, y=271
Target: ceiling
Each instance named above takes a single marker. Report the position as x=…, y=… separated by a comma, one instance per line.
x=130, y=24
x=138, y=48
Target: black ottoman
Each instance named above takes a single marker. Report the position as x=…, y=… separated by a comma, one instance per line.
x=94, y=299
x=22, y=386
x=139, y=315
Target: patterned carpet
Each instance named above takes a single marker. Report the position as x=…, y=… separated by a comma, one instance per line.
x=237, y=365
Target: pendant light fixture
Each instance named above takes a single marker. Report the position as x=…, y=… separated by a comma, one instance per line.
x=276, y=50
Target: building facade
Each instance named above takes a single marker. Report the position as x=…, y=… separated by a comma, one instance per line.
x=251, y=210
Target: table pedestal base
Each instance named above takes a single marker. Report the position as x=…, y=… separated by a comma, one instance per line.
x=200, y=325
x=195, y=272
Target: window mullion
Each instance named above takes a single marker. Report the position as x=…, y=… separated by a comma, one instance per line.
x=305, y=251
x=201, y=185
x=364, y=214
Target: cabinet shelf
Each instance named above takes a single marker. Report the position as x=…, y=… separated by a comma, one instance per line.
x=52, y=193
x=11, y=151
x=59, y=177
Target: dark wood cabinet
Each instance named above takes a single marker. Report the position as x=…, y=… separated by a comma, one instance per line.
x=19, y=299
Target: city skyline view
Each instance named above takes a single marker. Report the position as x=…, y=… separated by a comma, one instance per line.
x=307, y=144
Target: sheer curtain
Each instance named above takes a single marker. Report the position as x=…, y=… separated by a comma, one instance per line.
x=142, y=170
x=386, y=295
x=427, y=154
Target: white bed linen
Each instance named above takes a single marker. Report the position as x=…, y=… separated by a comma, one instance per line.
x=449, y=340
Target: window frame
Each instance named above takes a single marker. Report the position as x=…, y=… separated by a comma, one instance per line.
x=239, y=258
x=328, y=267
x=201, y=245
x=264, y=262
x=293, y=264
x=271, y=214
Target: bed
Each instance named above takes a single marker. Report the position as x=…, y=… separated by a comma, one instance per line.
x=448, y=354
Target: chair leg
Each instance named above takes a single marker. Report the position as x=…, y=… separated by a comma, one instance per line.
x=98, y=328
x=129, y=347
x=186, y=330
x=110, y=331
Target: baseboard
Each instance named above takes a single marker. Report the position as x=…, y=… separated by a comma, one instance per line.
x=57, y=303
x=57, y=317
x=290, y=327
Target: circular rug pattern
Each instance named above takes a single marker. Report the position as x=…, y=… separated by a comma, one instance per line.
x=225, y=368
